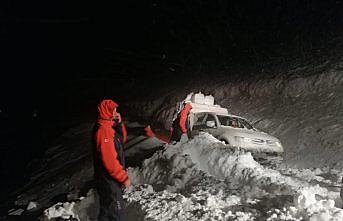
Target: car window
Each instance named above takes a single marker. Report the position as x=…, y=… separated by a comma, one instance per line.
x=224, y=120
x=210, y=117
x=234, y=122
x=245, y=123
x=199, y=119
x=229, y=121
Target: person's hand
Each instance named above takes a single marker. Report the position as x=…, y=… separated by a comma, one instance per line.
x=127, y=183
x=184, y=138
x=117, y=117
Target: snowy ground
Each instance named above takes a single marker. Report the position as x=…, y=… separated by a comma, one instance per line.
x=302, y=109
x=203, y=179
x=207, y=181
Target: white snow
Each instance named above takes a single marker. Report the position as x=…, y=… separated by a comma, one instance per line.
x=164, y=205
x=303, y=110
x=31, y=206
x=203, y=179
x=86, y=208
x=15, y=212
x=62, y=210
x=204, y=175
x=309, y=208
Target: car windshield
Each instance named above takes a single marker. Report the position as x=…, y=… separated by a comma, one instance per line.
x=234, y=122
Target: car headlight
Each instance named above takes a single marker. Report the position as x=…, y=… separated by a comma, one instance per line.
x=243, y=139
x=246, y=139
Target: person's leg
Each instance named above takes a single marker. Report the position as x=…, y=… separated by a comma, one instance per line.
x=119, y=202
x=111, y=202
x=176, y=135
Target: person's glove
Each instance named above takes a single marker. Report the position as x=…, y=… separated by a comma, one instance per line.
x=127, y=183
x=184, y=138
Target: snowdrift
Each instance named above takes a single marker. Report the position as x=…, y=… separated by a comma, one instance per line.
x=205, y=180
x=303, y=110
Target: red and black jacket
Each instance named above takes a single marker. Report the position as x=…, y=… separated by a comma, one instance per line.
x=106, y=163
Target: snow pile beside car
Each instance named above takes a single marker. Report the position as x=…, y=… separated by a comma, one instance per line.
x=205, y=180
x=228, y=171
x=307, y=207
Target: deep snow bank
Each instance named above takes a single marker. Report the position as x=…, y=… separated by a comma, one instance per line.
x=304, y=110
x=205, y=180
x=204, y=175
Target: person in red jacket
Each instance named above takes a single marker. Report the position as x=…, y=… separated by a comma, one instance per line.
x=109, y=173
x=180, y=124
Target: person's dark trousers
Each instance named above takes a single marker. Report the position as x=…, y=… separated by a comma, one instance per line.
x=111, y=200
x=176, y=135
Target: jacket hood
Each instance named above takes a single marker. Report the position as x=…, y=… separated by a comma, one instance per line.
x=105, y=109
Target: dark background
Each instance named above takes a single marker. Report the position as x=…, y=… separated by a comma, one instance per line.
x=48, y=45
x=60, y=57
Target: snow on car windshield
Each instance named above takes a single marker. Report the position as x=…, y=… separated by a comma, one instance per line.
x=234, y=122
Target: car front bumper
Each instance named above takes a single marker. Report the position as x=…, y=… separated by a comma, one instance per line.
x=259, y=145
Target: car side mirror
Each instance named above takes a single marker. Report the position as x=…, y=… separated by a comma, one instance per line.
x=211, y=124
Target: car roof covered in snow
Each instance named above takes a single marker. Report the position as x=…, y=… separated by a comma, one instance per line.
x=222, y=114
x=197, y=108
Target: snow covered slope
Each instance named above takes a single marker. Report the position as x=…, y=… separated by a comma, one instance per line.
x=202, y=179
x=205, y=180
x=302, y=108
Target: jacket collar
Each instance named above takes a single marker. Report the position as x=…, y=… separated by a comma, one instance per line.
x=105, y=122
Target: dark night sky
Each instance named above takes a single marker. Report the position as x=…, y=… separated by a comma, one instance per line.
x=49, y=45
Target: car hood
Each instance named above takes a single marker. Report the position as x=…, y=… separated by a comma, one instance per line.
x=248, y=133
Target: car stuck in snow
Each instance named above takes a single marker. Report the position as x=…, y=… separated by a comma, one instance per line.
x=234, y=130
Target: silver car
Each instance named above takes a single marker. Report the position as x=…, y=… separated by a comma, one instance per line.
x=234, y=131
